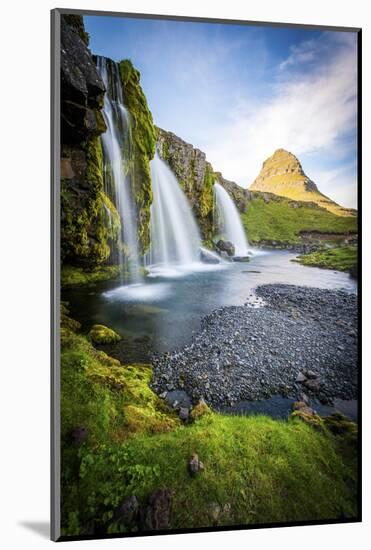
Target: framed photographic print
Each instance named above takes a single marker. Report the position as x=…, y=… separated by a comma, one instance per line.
x=206, y=277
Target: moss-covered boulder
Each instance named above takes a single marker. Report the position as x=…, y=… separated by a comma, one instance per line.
x=99, y=334
x=200, y=410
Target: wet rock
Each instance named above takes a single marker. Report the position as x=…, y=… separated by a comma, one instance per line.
x=156, y=513
x=195, y=465
x=311, y=374
x=226, y=246
x=313, y=384
x=241, y=259
x=301, y=377
x=208, y=257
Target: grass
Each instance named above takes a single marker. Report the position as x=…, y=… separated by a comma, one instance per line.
x=256, y=469
x=342, y=258
x=278, y=221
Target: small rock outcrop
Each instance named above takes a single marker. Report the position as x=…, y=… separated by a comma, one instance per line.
x=226, y=246
x=195, y=465
x=156, y=513
x=99, y=334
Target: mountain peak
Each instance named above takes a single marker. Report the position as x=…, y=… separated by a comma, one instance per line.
x=283, y=175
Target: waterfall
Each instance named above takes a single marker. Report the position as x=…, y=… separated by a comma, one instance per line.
x=175, y=239
x=116, y=149
x=230, y=221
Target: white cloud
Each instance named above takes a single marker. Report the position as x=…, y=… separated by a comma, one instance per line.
x=311, y=109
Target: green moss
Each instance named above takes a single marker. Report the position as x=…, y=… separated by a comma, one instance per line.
x=342, y=258
x=76, y=276
x=281, y=221
x=206, y=203
x=88, y=234
x=143, y=146
x=96, y=389
x=199, y=410
x=100, y=334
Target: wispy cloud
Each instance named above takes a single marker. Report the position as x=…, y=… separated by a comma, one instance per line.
x=311, y=109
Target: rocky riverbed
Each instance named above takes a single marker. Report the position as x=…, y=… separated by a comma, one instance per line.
x=301, y=342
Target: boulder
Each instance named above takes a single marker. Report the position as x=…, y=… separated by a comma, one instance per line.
x=301, y=377
x=226, y=246
x=184, y=414
x=79, y=435
x=156, y=514
x=99, y=334
x=127, y=512
x=208, y=257
x=195, y=465
x=312, y=384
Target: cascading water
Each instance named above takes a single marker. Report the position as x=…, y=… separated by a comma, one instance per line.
x=116, y=149
x=175, y=239
x=229, y=221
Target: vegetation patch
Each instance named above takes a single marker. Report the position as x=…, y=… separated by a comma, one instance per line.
x=276, y=220
x=120, y=441
x=143, y=145
x=343, y=258
x=99, y=334
x=255, y=470
x=76, y=276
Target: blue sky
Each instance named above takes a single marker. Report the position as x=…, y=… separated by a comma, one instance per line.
x=239, y=92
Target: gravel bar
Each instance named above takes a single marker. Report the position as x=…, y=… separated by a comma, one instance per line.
x=302, y=340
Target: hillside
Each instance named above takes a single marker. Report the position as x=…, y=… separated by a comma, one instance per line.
x=283, y=175
x=273, y=220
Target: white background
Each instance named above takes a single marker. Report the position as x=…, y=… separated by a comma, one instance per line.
x=24, y=256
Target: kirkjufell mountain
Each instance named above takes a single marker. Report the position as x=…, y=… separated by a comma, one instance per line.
x=282, y=174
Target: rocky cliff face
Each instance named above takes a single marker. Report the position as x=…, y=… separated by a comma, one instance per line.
x=283, y=175
x=87, y=237
x=90, y=223
x=195, y=175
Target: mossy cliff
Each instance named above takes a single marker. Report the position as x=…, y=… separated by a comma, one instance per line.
x=90, y=224
x=142, y=145
x=195, y=175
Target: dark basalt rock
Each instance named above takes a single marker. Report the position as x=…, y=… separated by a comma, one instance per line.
x=128, y=511
x=79, y=435
x=241, y=259
x=226, y=246
x=82, y=88
x=156, y=514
